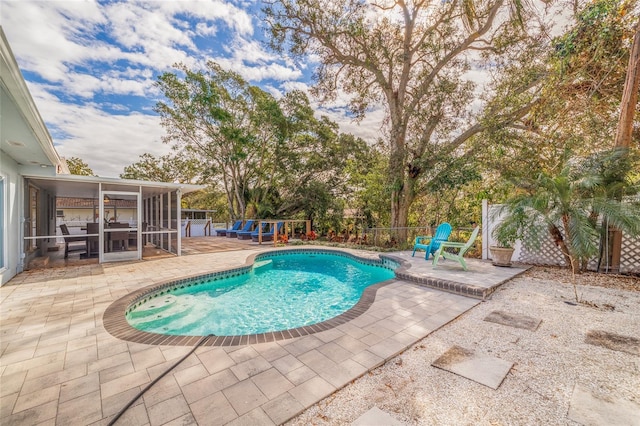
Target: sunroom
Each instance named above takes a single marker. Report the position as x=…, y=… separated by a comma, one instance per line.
x=107, y=219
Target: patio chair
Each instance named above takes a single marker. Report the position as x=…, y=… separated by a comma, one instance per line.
x=442, y=234
x=461, y=247
x=73, y=240
x=119, y=237
x=268, y=236
x=248, y=226
x=222, y=232
x=246, y=235
x=93, y=243
x=133, y=236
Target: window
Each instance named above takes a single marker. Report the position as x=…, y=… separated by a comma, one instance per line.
x=60, y=213
x=33, y=219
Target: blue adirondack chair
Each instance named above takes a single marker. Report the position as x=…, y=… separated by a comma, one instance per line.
x=431, y=243
x=461, y=247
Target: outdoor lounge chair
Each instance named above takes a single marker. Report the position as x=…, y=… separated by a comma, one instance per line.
x=248, y=226
x=74, y=240
x=442, y=234
x=221, y=232
x=246, y=235
x=267, y=236
x=461, y=247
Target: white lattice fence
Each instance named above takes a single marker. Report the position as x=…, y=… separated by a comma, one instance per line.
x=547, y=253
x=544, y=253
x=630, y=257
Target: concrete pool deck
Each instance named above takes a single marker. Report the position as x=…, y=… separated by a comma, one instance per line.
x=59, y=365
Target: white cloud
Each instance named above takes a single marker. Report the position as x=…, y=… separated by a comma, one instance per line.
x=258, y=73
x=41, y=37
x=85, y=54
x=237, y=19
x=108, y=143
x=289, y=86
x=370, y=128
x=204, y=29
x=137, y=26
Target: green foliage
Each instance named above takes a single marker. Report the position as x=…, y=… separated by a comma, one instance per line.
x=232, y=128
x=176, y=168
x=575, y=86
x=595, y=42
x=412, y=61
x=368, y=192
x=210, y=199
x=454, y=197
x=271, y=158
x=573, y=205
x=510, y=230
x=78, y=167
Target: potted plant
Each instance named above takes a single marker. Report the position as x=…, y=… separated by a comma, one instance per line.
x=505, y=235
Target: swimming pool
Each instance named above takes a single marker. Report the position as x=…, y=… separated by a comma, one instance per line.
x=298, y=290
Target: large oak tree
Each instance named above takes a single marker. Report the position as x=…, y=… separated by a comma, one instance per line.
x=410, y=57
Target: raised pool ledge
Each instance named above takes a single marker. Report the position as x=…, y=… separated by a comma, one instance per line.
x=115, y=322
x=479, y=281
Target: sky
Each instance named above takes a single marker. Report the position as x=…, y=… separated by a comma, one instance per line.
x=91, y=66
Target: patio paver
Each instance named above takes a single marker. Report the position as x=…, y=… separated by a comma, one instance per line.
x=54, y=341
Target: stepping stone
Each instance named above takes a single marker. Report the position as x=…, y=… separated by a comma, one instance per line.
x=486, y=370
x=514, y=320
x=376, y=417
x=615, y=342
x=589, y=410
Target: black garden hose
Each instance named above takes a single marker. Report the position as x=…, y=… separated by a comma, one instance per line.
x=154, y=381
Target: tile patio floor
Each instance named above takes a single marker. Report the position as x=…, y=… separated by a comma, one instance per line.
x=58, y=365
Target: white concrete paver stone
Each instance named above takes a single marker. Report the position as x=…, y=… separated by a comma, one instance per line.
x=300, y=375
x=168, y=410
x=376, y=417
x=244, y=396
x=282, y=408
x=272, y=383
x=214, y=409
x=254, y=417
x=486, y=370
x=589, y=410
x=58, y=361
x=312, y=391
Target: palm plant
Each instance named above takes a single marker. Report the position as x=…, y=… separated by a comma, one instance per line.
x=574, y=206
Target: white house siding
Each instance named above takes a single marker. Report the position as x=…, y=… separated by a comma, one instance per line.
x=10, y=218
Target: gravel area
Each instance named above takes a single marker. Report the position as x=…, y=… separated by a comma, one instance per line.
x=548, y=362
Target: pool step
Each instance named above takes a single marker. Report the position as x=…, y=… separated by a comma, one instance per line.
x=154, y=306
x=160, y=311
x=262, y=265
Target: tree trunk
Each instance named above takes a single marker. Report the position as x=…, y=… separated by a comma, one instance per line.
x=558, y=239
x=630, y=94
x=624, y=132
x=402, y=196
x=396, y=181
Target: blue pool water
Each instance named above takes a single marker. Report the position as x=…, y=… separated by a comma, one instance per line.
x=281, y=292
